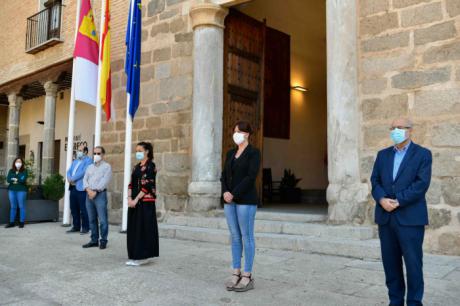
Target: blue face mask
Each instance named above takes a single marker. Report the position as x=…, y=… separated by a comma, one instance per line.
x=139, y=155
x=80, y=154
x=398, y=135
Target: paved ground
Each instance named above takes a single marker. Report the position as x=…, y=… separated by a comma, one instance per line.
x=41, y=265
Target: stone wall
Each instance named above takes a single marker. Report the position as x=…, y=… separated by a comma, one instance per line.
x=164, y=114
x=410, y=65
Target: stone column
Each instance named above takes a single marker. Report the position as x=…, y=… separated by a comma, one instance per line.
x=208, y=40
x=15, y=102
x=48, y=131
x=346, y=194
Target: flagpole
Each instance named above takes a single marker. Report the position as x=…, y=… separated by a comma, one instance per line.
x=70, y=132
x=127, y=169
x=97, y=128
x=128, y=140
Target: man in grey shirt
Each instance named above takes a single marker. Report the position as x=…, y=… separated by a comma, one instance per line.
x=97, y=178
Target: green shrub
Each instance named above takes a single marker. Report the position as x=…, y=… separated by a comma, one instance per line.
x=54, y=187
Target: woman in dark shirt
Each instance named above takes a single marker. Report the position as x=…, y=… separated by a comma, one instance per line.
x=142, y=233
x=17, y=191
x=240, y=195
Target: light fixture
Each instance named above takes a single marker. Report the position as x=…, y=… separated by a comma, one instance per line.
x=300, y=88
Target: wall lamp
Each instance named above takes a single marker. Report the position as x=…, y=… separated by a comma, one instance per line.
x=300, y=88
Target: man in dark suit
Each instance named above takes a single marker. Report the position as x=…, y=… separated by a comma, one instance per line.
x=400, y=180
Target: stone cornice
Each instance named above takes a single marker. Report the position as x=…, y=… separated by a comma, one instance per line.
x=208, y=14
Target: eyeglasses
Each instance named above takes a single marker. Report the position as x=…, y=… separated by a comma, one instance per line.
x=97, y=153
x=400, y=127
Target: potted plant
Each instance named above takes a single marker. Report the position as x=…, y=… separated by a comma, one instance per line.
x=4, y=201
x=53, y=187
x=289, y=192
x=43, y=201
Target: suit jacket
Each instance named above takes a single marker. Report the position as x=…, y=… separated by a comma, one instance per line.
x=409, y=187
x=240, y=180
x=80, y=173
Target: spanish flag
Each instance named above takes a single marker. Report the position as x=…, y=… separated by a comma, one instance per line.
x=86, y=57
x=106, y=81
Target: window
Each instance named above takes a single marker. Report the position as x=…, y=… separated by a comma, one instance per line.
x=44, y=27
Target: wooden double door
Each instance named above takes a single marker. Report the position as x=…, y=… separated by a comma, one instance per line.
x=256, y=81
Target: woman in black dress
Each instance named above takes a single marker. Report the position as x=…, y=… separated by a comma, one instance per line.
x=142, y=234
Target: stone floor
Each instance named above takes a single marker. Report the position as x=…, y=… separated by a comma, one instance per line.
x=41, y=265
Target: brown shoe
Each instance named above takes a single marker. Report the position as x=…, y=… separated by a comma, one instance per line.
x=230, y=285
x=243, y=288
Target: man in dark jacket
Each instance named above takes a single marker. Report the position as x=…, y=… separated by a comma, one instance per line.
x=400, y=180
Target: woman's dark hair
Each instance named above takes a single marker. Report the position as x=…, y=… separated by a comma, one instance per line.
x=13, y=166
x=147, y=147
x=244, y=126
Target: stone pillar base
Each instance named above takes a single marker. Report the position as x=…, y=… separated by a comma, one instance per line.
x=347, y=202
x=204, y=196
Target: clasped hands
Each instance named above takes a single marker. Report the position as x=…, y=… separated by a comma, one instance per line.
x=132, y=203
x=228, y=197
x=91, y=193
x=389, y=204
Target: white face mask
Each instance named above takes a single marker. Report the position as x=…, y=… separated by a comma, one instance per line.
x=18, y=165
x=97, y=158
x=238, y=138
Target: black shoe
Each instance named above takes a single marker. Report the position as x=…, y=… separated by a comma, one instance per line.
x=21, y=224
x=90, y=245
x=103, y=245
x=84, y=232
x=72, y=230
x=11, y=224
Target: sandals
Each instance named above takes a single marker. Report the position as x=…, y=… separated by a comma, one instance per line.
x=243, y=288
x=231, y=285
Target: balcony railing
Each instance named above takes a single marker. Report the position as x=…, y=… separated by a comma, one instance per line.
x=44, y=29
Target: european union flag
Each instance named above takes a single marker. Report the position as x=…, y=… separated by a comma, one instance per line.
x=133, y=54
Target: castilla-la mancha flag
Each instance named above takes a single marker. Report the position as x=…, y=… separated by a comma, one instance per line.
x=86, y=57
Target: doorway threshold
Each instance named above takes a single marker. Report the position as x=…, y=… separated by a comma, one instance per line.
x=301, y=208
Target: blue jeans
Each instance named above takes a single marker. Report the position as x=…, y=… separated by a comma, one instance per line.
x=97, y=211
x=78, y=209
x=240, y=220
x=17, y=199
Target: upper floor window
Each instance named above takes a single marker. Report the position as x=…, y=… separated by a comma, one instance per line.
x=44, y=28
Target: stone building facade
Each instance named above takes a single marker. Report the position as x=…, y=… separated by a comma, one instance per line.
x=409, y=54
x=385, y=58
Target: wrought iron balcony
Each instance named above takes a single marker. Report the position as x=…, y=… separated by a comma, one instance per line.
x=44, y=28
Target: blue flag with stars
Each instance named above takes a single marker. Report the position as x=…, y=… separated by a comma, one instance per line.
x=133, y=54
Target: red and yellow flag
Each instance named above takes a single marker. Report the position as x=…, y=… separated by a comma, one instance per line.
x=106, y=81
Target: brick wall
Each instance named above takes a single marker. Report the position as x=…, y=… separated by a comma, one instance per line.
x=164, y=114
x=15, y=62
x=410, y=65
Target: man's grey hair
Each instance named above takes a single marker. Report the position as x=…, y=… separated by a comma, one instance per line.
x=408, y=122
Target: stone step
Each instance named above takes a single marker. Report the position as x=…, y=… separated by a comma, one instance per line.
x=290, y=217
x=280, y=216
x=361, y=249
x=280, y=227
